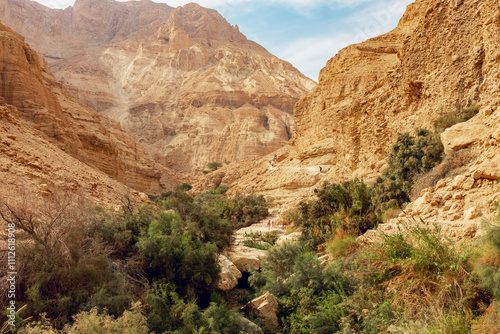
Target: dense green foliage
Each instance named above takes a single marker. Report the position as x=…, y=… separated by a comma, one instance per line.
x=341, y=208
x=409, y=157
x=414, y=281
x=79, y=259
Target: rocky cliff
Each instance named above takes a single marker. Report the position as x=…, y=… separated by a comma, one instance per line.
x=443, y=55
x=184, y=82
x=29, y=92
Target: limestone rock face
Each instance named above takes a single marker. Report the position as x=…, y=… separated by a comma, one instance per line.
x=32, y=167
x=184, y=82
x=77, y=130
x=443, y=55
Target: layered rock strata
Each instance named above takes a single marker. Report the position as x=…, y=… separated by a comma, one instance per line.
x=74, y=129
x=184, y=82
x=442, y=56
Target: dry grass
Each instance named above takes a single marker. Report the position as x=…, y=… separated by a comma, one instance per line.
x=453, y=164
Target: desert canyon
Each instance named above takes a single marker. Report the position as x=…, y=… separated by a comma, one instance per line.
x=127, y=101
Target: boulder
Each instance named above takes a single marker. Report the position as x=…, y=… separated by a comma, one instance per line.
x=252, y=327
x=472, y=213
x=229, y=275
x=247, y=258
x=462, y=135
x=458, y=181
x=264, y=307
x=468, y=183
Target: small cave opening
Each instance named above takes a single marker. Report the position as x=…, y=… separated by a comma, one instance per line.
x=243, y=281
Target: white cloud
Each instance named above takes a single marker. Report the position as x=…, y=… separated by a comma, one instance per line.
x=376, y=19
x=310, y=55
x=292, y=3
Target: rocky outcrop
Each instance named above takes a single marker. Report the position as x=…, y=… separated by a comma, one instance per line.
x=75, y=129
x=292, y=237
x=229, y=274
x=264, y=307
x=32, y=167
x=247, y=259
x=184, y=82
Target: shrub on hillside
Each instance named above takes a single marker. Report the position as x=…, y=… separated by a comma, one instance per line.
x=409, y=157
x=452, y=165
x=213, y=166
x=448, y=119
x=424, y=268
x=345, y=207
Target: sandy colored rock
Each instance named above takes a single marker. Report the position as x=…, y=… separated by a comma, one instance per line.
x=472, y=213
x=458, y=181
x=247, y=258
x=437, y=58
x=292, y=237
x=264, y=307
x=32, y=167
x=183, y=82
x=229, y=275
x=75, y=129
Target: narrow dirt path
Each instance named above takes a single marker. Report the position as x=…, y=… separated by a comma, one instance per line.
x=262, y=228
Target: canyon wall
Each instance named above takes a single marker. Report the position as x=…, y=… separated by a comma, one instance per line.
x=31, y=95
x=183, y=82
x=442, y=56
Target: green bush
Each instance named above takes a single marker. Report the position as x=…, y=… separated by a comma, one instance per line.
x=489, y=270
x=176, y=257
x=248, y=210
x=301, y=285
x=213, y=166
x=204, y=217
x=169, y=313
x=185, y=187
x=342, y=247
x=340, y=208
x=409, y=157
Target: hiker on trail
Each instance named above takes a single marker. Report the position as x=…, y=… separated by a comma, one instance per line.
x=269, y=224
x=320, y=168
x=272, y=223
x=315, y=190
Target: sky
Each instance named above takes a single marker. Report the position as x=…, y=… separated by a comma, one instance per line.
x=306, y=33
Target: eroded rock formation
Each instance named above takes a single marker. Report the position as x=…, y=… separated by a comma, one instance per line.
x=35, y=106
x=442, y=56
x=184, y=82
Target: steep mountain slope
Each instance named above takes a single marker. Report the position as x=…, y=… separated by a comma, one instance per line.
x=442, y=55
x=184, y=82
x=30, y=93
